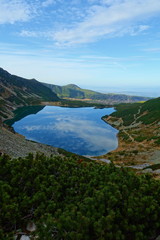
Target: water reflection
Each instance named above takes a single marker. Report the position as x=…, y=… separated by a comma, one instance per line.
x=79, y=130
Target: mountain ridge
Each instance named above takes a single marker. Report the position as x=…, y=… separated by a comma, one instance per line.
x=73, y=91
x=16, y=92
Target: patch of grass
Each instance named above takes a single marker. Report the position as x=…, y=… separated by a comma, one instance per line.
x=140, y=138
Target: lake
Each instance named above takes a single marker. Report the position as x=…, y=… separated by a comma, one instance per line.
x=77, y=130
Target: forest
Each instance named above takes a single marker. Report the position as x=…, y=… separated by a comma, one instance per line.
x=71, y=198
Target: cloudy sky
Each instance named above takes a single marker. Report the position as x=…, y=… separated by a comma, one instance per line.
x=91, y=43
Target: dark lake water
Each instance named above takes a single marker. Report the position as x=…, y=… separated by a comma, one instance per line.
x=78, y=130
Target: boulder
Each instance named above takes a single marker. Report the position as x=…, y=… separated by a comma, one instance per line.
x=31, y=227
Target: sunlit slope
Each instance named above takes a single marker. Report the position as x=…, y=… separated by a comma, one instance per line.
x=146, y=113
x=73, y=91
x=139, y=132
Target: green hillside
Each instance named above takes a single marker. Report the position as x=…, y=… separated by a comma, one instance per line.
x=73, y=91
x=76, y=199
x=147, y=112
x=68, y=91
x=139, y=133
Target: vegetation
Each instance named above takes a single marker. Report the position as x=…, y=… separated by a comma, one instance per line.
x=154, y=166
x=73, y=91
x=17, y=92
x=24, y=88
x=23, y=112
x=147, y=112
x=76, y=199
x=76, y=103
x=138, y=125
x=152, y=110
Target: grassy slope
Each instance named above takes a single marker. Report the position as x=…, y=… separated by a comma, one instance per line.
x=139, y=132
x=73, y=91
x=147, y=112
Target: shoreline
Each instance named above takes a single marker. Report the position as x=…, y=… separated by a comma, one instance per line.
x=15, y=144
x=130, y=151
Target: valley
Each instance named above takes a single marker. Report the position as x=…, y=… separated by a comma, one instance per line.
x=45, y=184
x=79, y=120
x=138, y=138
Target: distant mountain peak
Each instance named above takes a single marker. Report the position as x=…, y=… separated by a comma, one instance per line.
x=75, y=92
x=73, y=86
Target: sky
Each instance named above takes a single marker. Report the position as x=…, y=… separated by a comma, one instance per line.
x=95, y=44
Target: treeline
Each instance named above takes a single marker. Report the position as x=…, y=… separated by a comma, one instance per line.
x=79, y=103
x=76, y=199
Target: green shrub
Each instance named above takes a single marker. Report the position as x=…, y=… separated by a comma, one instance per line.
x=72, y=198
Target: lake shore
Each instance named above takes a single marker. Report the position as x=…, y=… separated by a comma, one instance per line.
x=15, y=145
x=129, y=150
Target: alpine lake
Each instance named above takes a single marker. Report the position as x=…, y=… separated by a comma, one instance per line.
x=77, y=130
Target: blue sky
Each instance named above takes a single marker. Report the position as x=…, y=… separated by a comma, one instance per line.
x=98, y=44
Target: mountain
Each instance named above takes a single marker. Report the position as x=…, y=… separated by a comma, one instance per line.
x=73, y=91
x=68, y=91
x=139, y=132
x=17, y=91
x=144, y=113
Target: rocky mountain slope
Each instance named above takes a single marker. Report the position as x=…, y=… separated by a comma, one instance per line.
x=17, y=91
x=15, y=145
x=73, y=91
x=139, y=123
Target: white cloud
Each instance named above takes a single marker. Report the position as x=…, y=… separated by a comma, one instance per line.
x=88, y=131
x=43, y=34
x=12, y=11
x=25, y=33
x=110, y=19
x=152, y=50
x=47, y=3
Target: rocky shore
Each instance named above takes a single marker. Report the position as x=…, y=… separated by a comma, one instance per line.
x=16, y=145
x=130, y=149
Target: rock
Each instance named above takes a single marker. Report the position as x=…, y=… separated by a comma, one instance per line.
x=139, y=166
x=158, y=238
x=31, y=227
x=156, y=171
x=148, y=170
x=104, y=160
x=24, y=237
